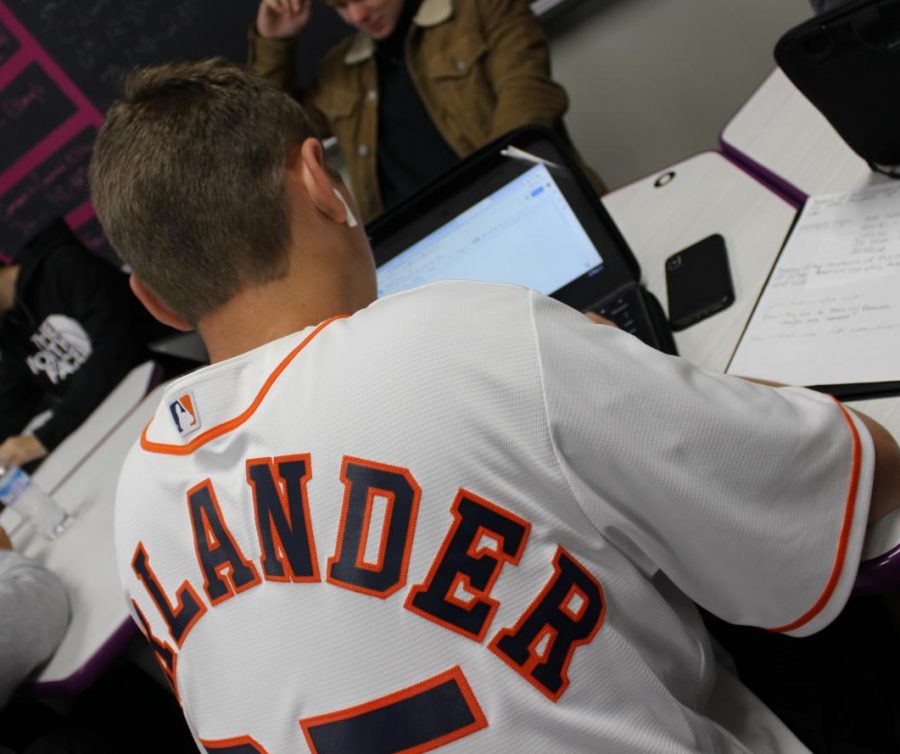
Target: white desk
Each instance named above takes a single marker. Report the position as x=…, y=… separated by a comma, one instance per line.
x=779, y=135
x=707, y=194
x=82, y=474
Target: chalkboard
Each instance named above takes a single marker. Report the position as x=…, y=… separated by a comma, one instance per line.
x=8, y=45
x=61, y=64
x=32, y=107
x=55, y=188
x=97, y=41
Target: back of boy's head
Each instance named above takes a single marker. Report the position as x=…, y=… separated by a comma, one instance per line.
x=187, y=177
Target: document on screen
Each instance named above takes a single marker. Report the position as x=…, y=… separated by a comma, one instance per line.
x=829, y=314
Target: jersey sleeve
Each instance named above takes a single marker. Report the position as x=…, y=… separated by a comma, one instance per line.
x=753, y=500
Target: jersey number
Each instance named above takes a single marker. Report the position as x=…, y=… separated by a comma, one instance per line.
x=415, y=719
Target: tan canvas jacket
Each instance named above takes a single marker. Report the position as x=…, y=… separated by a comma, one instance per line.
x=481, y=67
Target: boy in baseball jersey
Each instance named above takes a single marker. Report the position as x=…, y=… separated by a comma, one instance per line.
x=462, y=518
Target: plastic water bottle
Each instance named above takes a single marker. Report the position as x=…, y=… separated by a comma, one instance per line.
x=33, y=504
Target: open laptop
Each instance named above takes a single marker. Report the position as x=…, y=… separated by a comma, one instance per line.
x=519, y=211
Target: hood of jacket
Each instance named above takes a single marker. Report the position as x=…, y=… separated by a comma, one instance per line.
x=33, y=254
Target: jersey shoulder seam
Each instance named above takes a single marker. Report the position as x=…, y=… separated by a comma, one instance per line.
x=227, y=426
x=547, y=421
x=837, y=566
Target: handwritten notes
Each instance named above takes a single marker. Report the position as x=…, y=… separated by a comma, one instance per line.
x=830, y=312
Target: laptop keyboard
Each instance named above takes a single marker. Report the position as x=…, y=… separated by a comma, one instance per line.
x=638, y=313
x=620, y=311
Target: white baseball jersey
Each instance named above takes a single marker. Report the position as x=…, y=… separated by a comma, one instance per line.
x=467, y=519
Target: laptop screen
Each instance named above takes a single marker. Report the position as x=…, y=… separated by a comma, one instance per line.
x=519, y=210
x=503, y=238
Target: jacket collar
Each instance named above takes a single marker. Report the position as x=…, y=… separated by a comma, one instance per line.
x=430, y=13
x=433, y=12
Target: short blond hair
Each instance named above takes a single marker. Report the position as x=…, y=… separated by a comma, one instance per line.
x=187, y=177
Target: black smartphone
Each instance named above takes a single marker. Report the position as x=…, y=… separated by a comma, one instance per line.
x=698, y=282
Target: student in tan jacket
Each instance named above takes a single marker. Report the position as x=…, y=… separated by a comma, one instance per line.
x=421, y=84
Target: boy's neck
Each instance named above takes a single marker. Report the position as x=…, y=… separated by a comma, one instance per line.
x=267, y=312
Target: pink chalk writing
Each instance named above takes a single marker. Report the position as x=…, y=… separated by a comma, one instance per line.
x=64, y=182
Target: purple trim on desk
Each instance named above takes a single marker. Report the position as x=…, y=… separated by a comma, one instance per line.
x=93, y=668
x=771, y=180
x=879, y=575
x=774, y=182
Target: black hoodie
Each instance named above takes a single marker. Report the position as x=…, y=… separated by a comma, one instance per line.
x=73, y=333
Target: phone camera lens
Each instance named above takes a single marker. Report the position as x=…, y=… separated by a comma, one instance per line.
x=674, y=263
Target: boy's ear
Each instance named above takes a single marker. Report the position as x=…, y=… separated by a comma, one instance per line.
x=156, y=307
x=314, y=174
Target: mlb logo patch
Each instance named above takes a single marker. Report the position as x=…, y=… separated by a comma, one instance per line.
x=184, y=414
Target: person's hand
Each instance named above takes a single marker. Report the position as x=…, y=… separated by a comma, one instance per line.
x=5, y=544
x=594, y=317
x=20, y=449
x=280, y=19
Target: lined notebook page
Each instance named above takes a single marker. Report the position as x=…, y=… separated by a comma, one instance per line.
x=830, y=312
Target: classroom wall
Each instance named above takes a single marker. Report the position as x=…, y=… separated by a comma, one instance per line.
x=61, y=64
x=654, y=81
x=651, y=82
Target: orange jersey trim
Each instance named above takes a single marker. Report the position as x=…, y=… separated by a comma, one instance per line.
x=221, y=429
x=844, y=538
x=229, y=743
